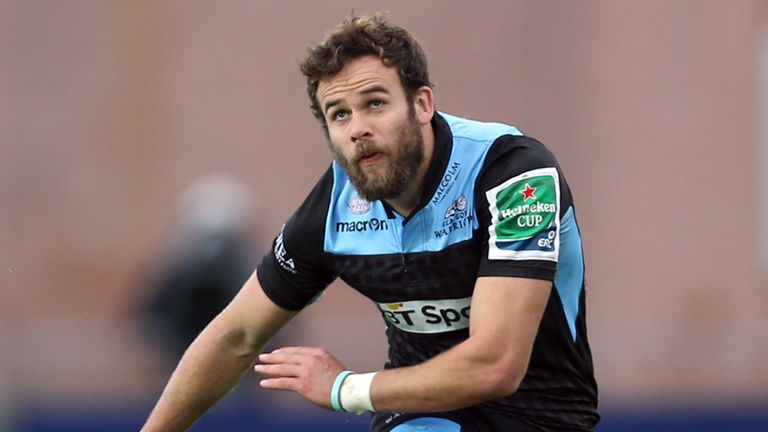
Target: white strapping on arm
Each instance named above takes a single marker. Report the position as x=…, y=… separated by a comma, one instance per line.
x=355, y=394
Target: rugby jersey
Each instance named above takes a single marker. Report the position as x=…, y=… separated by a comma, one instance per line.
x=494, y=203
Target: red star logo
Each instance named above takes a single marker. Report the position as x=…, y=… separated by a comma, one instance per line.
x=529, y=192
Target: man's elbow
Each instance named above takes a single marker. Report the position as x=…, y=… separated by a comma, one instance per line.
x=234, y=338
x=503, y=379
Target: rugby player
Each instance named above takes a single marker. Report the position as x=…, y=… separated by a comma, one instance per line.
x=464, y=235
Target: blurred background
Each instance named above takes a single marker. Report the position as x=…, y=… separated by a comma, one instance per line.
x=118, y=119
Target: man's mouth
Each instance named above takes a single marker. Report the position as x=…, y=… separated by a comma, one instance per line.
x=370, y=159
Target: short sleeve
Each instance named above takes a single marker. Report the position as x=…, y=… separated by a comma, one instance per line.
x=297, y=270
x=521, y=195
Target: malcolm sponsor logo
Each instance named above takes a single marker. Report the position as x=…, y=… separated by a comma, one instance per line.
x=362, y=226
x=446, y=184
x=428, y=316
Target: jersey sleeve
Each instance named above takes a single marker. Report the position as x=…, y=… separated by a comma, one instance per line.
x=297, y=269
x=522, y=197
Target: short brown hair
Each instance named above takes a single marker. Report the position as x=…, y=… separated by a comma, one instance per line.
x=358, y=36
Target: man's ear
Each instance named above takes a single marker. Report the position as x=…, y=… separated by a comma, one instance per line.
x=424, y=104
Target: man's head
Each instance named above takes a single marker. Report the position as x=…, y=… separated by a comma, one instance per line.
x=360, y=36
x=373, y=130
x=369, y=86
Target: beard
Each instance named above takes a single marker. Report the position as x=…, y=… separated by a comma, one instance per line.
x=404, y=161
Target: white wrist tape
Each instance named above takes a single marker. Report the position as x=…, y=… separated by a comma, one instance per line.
x=355, y=393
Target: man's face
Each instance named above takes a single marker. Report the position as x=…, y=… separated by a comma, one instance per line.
x=373, y=131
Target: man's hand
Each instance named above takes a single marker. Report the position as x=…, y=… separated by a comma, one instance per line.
x=307, y=371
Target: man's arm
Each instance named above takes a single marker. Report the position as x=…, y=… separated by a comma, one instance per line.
x=491, y=363
x=505, y=318
x=214, y=362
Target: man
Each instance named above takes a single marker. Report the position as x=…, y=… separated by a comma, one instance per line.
x=430, y=216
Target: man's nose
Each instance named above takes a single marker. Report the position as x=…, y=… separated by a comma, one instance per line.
x=360, y=127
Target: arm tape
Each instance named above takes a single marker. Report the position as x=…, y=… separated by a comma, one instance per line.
x=355, y=393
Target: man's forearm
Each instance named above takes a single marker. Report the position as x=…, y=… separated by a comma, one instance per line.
x=457, y=378
x=211, y=366
x=490, y=364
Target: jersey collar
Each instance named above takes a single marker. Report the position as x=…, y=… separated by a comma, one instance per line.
x=440, y=157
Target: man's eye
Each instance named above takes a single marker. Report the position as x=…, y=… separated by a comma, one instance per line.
x=339, y=115
x=377, y=103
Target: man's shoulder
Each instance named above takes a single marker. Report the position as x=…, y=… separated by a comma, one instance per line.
x=502, y=149
x=476, y=130
x=312, y=210
x=500, y=136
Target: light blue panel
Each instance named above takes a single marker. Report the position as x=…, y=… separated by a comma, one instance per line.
x=569, y=277
x=428, y=424
x=357, y=227
x=451, y=217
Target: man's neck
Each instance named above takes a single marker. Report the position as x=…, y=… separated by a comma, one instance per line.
x=407, y=201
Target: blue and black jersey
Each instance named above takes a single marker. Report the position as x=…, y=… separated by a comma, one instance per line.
x=494, y=203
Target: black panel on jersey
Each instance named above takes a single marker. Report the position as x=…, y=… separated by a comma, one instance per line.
x=302, y=238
